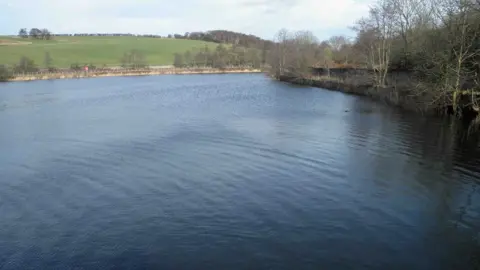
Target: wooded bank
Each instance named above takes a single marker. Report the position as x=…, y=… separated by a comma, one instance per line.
x=423, y=55
x=400, y=90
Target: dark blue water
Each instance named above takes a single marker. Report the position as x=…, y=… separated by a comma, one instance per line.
x=229, y=172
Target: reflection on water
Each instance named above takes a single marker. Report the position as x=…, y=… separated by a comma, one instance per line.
x=229, y=171
x=437, y=164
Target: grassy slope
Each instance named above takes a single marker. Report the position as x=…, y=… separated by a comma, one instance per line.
x=96, y=50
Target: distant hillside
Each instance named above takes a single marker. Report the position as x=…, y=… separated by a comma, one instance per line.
x=97, y=50
x=217, y=36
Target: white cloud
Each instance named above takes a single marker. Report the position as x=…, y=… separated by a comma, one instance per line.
x=260, y=17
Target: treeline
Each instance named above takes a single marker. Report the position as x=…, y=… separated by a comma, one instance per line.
x=107, y=35
x=217, y=36
x=27, y=65
x=221, y=57
x=133, y=59
x=436, y=41
x=24, y=65
x=35, y=33
x=230, y=37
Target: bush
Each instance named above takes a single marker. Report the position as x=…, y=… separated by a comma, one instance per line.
x=5, y=73
x=178, y=60
x=134, y=59
x=76, y=67
x=25, y=65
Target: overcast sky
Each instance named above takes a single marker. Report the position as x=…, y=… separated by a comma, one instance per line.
x=259, y=17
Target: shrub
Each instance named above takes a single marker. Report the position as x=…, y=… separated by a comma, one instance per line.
x=134, y=59
x=25, y=65
x=5, y=73
x=76, y=67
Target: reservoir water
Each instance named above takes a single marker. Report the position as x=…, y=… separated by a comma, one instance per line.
x=229, y=172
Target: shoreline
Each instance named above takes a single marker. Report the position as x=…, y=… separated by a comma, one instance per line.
x=127, y=73
x=390, y=96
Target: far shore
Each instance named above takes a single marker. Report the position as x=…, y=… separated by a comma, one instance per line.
x=127, y=72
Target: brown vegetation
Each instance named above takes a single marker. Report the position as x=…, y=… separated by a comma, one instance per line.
x=68, y=73
x=13, y=43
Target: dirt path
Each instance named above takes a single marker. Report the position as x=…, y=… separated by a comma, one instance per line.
x=13, y=43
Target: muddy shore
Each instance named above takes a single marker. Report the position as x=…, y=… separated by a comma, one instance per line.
x=123, y=72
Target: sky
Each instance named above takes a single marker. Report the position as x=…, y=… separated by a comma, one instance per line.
x=258, y=17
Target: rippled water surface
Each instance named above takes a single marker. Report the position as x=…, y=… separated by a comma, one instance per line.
x=229, y=172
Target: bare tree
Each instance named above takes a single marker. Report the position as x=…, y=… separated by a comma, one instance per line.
x=340, y=49
x=294, y=53
x=452, y=53
x=405, y=12
x=279, y=55
x=301, y=52
x=325, y=56
x=379, y=27
x=337, y=42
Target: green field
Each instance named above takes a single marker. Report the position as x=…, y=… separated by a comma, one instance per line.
x=94, y=50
